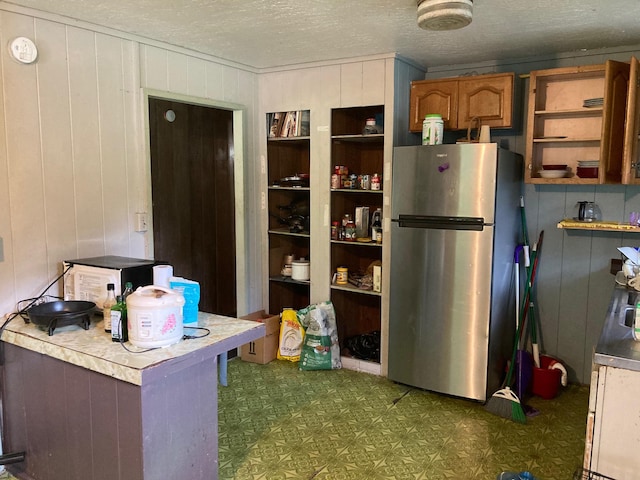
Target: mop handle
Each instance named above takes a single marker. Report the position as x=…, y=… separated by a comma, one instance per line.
x=531, y=278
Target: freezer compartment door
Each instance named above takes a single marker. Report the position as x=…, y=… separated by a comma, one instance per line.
x=445, y=181
x=440, y=301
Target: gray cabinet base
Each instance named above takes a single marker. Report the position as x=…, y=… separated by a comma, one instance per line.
x=75, y=424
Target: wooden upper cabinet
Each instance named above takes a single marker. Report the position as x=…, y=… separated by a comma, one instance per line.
x=566, y=125
x=433, y=96
x=459, y=100
x=488, y=98
x=616, y=83
x=630, y=163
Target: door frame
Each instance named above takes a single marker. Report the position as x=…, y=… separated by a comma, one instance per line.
x=146, y=202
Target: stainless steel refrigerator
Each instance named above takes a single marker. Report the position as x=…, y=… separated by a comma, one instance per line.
x=454, y=229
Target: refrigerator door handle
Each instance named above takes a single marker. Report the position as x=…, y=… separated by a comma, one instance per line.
x=441, y=223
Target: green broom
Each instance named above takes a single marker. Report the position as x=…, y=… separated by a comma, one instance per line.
x=505, y=403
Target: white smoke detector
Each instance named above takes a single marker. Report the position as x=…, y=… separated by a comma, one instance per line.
x=444, y=14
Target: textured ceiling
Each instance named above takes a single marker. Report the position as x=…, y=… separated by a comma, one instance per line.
x=263, y=34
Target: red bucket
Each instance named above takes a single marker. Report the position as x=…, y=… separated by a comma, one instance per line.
x=546, y=381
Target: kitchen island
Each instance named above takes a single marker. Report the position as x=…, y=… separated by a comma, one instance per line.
x=613, y=423
x=82, y=407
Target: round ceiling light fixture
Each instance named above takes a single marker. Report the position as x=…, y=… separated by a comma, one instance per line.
x=444, y=14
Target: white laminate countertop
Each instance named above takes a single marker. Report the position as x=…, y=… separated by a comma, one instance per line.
x=94, y=350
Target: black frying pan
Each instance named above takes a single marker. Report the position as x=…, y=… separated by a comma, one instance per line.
x=50, y=315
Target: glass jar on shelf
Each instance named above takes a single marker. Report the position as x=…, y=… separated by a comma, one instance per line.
x=376, y=182
x=350, y=231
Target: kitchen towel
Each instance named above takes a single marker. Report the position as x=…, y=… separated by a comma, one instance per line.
x=191, y=292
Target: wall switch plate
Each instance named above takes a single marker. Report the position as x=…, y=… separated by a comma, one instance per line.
x=141, y=222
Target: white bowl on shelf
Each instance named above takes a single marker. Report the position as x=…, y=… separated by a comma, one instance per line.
x=552, y=173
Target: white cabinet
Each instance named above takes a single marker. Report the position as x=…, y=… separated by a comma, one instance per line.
x=613, y=423
x=334, y=95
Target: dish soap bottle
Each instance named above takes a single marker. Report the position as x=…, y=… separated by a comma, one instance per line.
x=109, y=302
x=119, y=330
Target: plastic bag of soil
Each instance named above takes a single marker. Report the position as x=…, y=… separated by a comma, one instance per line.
x=320, y=348
x=291, y=336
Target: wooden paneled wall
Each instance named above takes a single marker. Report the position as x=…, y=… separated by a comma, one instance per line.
x=573, y=281
x=73, y=168
x=73, y=160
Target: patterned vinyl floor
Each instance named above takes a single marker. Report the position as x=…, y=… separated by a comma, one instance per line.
x=277, y=422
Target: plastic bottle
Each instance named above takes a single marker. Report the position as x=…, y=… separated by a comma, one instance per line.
x=376, y=226
x=432, y=129
x=109, y=302
x=350, y=231
x=119, y=330
x=342, y=233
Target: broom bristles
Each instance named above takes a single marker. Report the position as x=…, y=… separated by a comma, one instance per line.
x=506, y=404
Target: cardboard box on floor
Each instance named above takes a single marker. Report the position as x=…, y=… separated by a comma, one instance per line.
x=264, y=349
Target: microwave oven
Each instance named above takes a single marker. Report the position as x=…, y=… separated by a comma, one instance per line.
x=87, y=278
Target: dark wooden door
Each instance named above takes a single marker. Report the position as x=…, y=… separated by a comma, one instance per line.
x=193, y=198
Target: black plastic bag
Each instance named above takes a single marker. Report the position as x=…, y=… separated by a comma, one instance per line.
x=365, y=346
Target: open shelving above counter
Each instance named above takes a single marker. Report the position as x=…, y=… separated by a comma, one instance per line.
x=600, y=226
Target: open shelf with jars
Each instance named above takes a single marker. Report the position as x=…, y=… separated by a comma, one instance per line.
x=288, y=200
x=357, y=163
